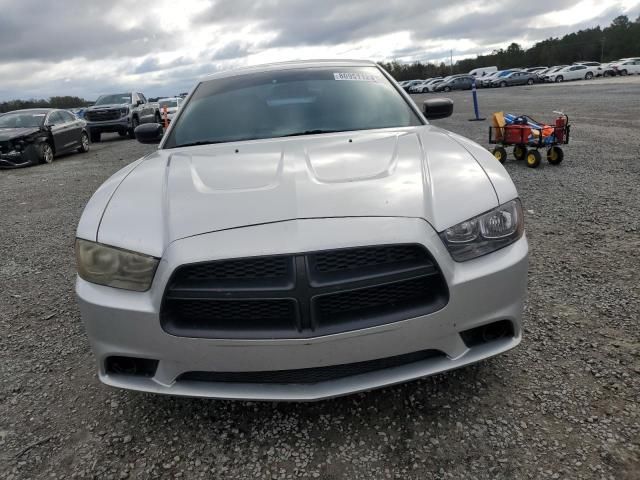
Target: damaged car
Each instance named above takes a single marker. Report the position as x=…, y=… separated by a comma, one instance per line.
x=34, y=136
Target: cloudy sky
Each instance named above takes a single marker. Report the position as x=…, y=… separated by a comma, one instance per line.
x=160, y=47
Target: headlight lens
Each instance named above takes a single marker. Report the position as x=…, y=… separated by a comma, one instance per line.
x=124, y=111
x=485, y=233
x=114, y=267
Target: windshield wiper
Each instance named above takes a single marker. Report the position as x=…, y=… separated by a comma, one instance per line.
x=295, y=134
x=311, y=132
x=199, y=142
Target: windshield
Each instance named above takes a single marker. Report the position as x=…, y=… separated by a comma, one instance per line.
x=114, y=99
x=168, y=103
x=22, y=119
x=290, y=102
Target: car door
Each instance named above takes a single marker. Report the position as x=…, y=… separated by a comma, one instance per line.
x=73, y=129
x=68, y=130
x=56, y=125
x=578, y=72
x=146, y=114
x=139, y=109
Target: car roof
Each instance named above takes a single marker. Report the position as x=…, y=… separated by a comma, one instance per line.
x=268, y=67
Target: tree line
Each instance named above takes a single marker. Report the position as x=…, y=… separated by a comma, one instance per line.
x=618, y=40
x=53, y=102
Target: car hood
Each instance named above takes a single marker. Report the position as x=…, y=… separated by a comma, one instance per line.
x=109, y=106
x=418, y=172
x=12, y=133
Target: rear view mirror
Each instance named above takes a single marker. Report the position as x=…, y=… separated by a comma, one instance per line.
x=149, y=133
x=437, y=108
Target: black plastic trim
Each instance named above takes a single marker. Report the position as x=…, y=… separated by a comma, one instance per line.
x=311, y=375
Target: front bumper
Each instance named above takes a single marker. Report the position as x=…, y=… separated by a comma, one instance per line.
x=482, y=291
x=112, y=126
x=14, y=160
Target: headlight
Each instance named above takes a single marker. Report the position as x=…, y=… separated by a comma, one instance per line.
x=485, y=233
x=114, y=267
x=124, y=111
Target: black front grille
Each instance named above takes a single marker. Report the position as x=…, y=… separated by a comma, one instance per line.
x=311, y=375
x=232, y=315
x=102, y=115
x=259, y=272
x=404, y=295
x=245, y=269
x=305, y=295
x=5, y=147
x=358, y=258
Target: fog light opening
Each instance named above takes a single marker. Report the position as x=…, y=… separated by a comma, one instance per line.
x=141, y=367
x=487, y=333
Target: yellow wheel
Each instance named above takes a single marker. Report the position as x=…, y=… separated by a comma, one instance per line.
x=555, y=155
x=533, y=158
x=520, y=152
x=500, y=153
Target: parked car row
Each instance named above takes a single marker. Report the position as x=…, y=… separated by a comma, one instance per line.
x=491, y=77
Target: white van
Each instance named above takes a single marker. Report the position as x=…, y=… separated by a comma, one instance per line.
x=481, y=72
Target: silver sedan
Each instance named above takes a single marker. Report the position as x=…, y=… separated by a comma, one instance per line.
x=302, y=232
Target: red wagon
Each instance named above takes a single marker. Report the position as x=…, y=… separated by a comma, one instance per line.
x=528, y=136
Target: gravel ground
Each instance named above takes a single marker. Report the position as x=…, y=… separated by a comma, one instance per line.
x=565, y=404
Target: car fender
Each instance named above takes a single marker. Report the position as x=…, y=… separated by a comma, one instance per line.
x=92, y=214
x=498, y=175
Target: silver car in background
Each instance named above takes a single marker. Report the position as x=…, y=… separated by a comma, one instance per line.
x=317, y=238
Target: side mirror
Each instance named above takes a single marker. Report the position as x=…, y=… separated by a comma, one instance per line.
x=149, y=133
x=139, y=102
x=437, y=108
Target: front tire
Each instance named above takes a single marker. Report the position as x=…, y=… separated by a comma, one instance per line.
x=503, y=84
x=588, y=76
x=500, y=153
x=84, y=143
x=623, y=72
x=45, y=154
x=559, y=79
x=134, y=123
x=530, y=81
x=533, y=158
x=447, y=89
x=555, y=155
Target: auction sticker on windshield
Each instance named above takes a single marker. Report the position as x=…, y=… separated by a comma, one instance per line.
x=361, y=77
